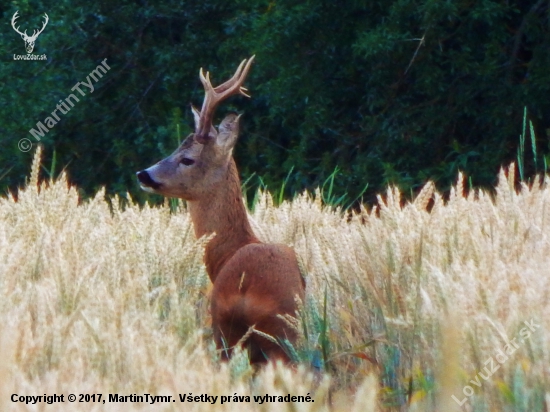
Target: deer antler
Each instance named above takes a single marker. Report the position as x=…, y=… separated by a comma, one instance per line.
x=37, y=32
x=213, y=96
x=15, y=17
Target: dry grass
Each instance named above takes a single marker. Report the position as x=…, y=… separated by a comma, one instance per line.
x=405, y=306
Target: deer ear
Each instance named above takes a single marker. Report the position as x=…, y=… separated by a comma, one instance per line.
x=197, y=116
x=228, y=131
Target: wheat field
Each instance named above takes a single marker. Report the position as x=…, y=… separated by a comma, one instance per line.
x=406, y=309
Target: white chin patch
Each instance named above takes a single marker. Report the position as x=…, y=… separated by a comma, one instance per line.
x=147, y=189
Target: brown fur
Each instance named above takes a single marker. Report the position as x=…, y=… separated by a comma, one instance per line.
x=253, y=282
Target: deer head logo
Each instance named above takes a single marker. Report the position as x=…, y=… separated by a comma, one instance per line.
x=29, y=40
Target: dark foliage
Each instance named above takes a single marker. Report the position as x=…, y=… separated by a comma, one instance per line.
x=387, y=91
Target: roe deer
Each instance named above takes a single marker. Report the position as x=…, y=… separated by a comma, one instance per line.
x=253, y=282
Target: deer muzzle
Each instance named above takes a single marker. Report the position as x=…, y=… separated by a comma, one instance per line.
x=146, y=182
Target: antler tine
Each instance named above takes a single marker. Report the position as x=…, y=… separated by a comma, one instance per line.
x=44, y=24
x=226, y=85
x=214, y=95
x=209, y=92
x=238, y=77
x=15, y=17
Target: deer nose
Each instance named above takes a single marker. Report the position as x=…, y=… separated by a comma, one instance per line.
x=146, y=180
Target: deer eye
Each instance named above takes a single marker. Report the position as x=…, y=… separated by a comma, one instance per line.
x=187, y=162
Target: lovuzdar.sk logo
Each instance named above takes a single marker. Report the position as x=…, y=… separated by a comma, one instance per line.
x=29, y=40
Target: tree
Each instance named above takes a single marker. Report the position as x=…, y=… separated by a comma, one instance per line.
x=387, y=92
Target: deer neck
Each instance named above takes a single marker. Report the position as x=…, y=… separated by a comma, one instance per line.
x=222, y=212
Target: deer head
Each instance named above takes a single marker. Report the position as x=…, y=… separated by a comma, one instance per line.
x=202, y=160
x=29, y=40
